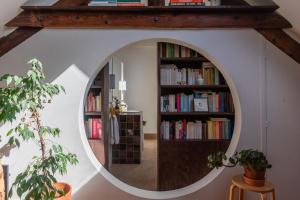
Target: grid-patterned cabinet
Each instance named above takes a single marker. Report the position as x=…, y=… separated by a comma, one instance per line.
x=128, y=151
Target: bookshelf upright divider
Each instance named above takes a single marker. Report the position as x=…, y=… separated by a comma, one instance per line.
x=187, y=137
x=95, y=116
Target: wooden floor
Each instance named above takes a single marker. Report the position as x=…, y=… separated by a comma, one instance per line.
x=144, y=175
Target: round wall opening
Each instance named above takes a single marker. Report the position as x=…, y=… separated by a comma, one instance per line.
x=181, y=106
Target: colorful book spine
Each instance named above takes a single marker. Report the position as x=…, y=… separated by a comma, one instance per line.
x=181, y=102
x=213, y=129
x=93, y=103
x=94, y=128
x=170, y=50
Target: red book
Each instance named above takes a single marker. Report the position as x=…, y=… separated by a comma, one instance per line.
x=186, y=1
x=94, y=129
x=99, y=128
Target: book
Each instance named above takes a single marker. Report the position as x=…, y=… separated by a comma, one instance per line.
x=93, y=102
x=103, y=3
x=181, y=102
x=169, y=50
x=130, y=4
x=94, y=128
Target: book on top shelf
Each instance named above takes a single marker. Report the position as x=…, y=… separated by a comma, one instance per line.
x=103, y=3
x=116, y=3
x=186, y=3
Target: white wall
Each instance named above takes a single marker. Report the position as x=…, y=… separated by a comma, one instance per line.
x=242, y=54
x=140, y=72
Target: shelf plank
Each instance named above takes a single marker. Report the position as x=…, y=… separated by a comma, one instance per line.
x=195, y=140
x=150, y=17
x=93, y=139
x=196, y=87
x=95, y=87
x=221, y=8
x=188, y=60
x=210, y=114
x=92, y=113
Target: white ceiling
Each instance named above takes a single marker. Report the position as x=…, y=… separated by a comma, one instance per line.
x=290, y=9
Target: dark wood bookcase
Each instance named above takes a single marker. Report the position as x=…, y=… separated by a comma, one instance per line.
x=99, y=85
x=183, y=162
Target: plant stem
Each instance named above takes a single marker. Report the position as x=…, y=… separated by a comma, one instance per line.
x=41, y=139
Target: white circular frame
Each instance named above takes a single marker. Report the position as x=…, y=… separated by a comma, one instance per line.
x=185, y=190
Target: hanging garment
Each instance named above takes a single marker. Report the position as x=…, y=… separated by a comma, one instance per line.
x=114, y=129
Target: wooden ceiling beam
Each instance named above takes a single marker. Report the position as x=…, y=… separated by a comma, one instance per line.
x=22, y=33
x=148, y=17
x=283, y=41
x=15, y=38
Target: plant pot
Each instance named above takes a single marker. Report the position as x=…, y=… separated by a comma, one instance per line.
x=253, y=177
x=66, y=188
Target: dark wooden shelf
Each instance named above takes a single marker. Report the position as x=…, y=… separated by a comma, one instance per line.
x=157, y=17
x=95, y=87
x=93, y=139
x=223, y=8
x=196, y=87
x=92, y=113
x=209, y=114
x=195, y=140
x=186, y=60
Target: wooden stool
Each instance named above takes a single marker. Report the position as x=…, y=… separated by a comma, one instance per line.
x=238, y=182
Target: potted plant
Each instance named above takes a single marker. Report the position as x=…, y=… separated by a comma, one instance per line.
x=27, y=96
x=253, y=161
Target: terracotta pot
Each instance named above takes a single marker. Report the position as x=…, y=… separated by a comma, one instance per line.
x=253, y=177
x=66, y=188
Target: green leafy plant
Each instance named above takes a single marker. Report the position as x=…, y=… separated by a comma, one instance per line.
x=249, y=157
x=27, y=96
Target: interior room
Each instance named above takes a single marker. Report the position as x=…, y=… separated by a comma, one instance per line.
x=136, y=99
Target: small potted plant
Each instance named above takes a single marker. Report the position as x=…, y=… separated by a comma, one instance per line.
x=27, y=96
x=253, y=161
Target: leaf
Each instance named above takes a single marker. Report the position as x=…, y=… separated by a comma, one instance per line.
x=17, y=80
x=10, y=132
x=17, y=143
x=9, y=80
x=19, y=192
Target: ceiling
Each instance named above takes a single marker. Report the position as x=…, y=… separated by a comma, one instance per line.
x=9, y=9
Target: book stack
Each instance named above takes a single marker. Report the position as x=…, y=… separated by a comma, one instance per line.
x=218, y=128
x=103, y=3
x=181, y=130
x=130, y=3
x=180, y=102
x=93, y=103
x=186, y=3
x=168, y=50
x=207, y=74
x=116, y=3
x=211, y=74
x=217, y=101
x=213, y=129
x=94, y=128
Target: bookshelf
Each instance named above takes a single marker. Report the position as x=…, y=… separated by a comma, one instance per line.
x=95, y=104
x=182, y=155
